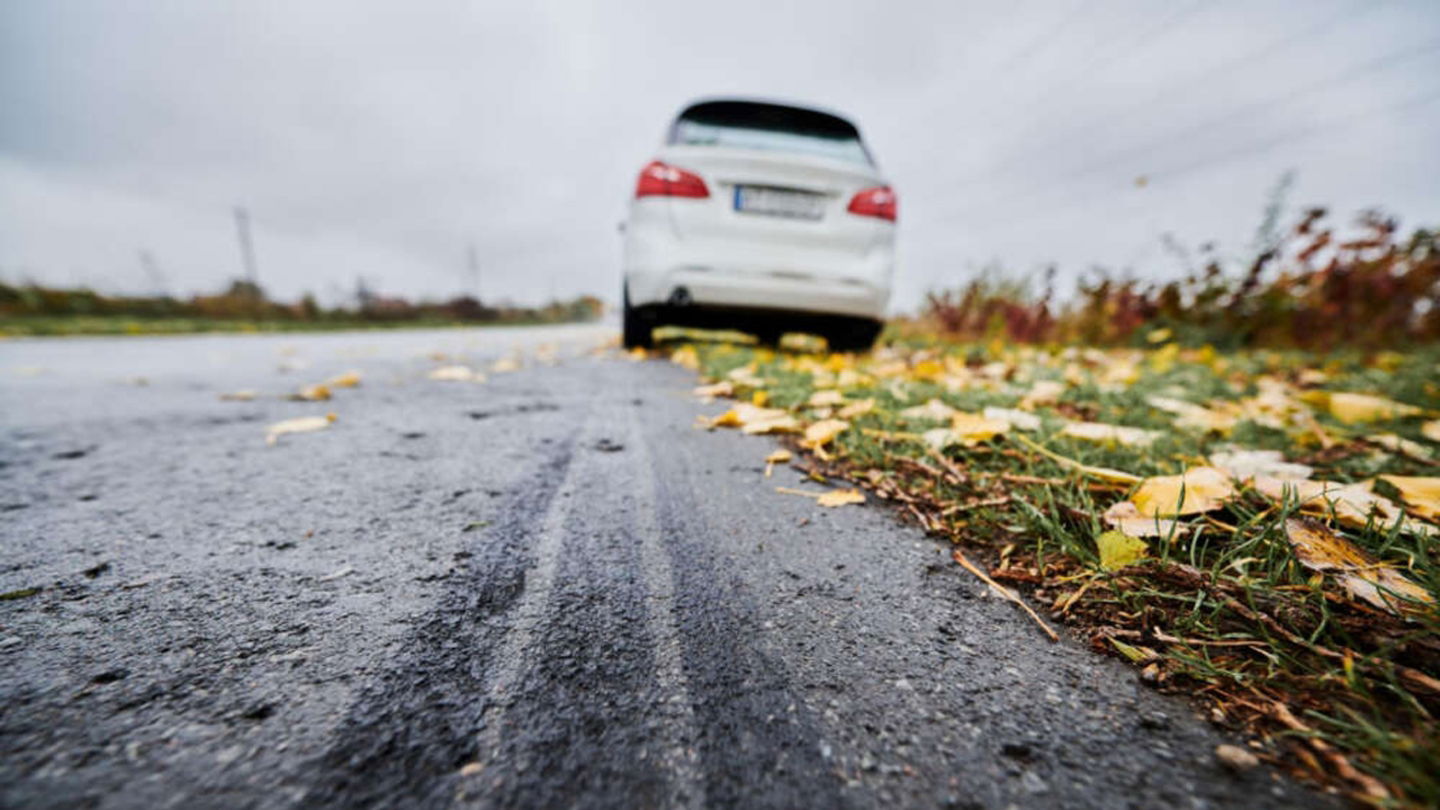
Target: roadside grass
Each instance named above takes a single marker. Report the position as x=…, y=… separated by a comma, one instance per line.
x=1222, y=605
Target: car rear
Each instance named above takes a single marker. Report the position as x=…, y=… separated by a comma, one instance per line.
x=760, y=216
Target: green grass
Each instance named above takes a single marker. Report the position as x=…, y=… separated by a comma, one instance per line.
x=1255, y=629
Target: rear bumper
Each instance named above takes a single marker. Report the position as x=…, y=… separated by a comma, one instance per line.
x=747, y=319
x=757, y=289
x=661, y=268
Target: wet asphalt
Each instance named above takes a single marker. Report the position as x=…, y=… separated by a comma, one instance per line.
x=546, y=590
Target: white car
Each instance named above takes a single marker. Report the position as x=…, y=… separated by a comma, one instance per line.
x=764, y=217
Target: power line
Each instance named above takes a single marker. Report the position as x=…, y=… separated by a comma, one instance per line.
x=1265, y=51
x=1116, y=158
x=1327, y=127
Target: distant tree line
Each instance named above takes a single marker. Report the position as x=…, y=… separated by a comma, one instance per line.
x=244, y=301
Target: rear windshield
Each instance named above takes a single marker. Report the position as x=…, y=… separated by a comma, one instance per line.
x=771, y=127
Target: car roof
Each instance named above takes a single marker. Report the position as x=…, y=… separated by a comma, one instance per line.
x=761, y=110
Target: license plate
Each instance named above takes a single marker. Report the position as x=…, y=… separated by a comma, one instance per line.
x=779, y=202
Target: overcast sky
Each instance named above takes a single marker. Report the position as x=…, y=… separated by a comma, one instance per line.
x=381, y=139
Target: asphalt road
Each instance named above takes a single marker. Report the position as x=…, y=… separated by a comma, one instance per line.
x=546, y=590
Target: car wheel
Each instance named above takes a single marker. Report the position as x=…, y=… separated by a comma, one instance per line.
x=638, y=331
x=853, y=335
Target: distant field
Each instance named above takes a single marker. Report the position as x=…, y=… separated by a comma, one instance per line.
x=53, y=325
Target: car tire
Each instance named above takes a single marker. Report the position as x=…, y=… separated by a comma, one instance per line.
x=637, y=330
x=853, y=335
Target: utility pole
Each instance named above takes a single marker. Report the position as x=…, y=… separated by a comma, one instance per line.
x=472, y=265
x=153, y=273
x=247, y=248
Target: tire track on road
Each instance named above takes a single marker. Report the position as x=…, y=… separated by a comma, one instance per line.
x=588, y=705
x=409, y=733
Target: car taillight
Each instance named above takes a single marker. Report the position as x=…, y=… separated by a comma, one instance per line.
x=874, y=202
x=664, y=180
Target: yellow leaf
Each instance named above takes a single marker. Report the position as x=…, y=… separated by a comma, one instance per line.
x=841, y=497
x=927, y=368
x=724, y=388
x=1118, y=549
x=313, y=393
x=1420, y=493
x=1131, y=652
x=349, y=379
x=777, y=457
x=972, y=428
x=1126, y=517
x=774, y=424
x=1245, y=465
x=1158, y=336
x=245, y=395
x=1197, y=490
x=1100, y=432
x=1043, y=392
x=1431, y=430
x=1021, y=420
x=1403, y=446
x=1320, y=549
x=686, y=356
x=759, y=398
x=1195, y=416
x=303, y=424
x=1353, y=504
x=457, y=374
x=829, y=398
x=857, y=408
x=933, y=410
x=506, y=365
x=1351, y=408
x=729, y=418
x=823, y=431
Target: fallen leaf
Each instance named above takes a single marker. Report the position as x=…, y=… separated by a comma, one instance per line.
x=822, y=432
x=724, y=388
x=1421, y=494
x=934, y=411
x=829, y=398
x=1022, y=420
x=1197, y=490
x=1403, y=446
x=841, y=497
x=303, y=424
x=239, y=396
x=1245, y=465
x=777, y=457
x=1101, y=432
x=313, y=393
x=1196, y=417
x=1126, y=517
x=1319, y=548
x=1118, y=549
x=1350, y=408
x=1353, y=504
x=349, y=379
x=1042, y=392
x=685, y=356
x=857, y=408
x=1431, y=430
x=971, y=428
x=456, y=374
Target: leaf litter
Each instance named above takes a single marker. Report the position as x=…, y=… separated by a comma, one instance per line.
x=1256, y=529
